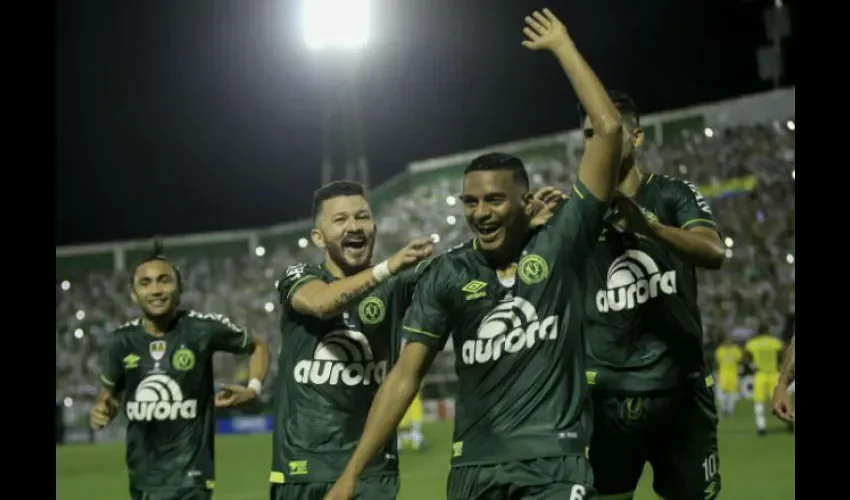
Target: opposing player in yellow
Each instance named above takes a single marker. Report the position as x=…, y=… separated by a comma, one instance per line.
x=410, y=428
x=764, y=351
x=728, y=357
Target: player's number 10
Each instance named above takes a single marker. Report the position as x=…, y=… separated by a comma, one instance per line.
x=709, y=466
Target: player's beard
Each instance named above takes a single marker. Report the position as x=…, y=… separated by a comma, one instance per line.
x=351, y=264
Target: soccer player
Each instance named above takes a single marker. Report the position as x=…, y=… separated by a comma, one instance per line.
x=522, y=421
x=651, y=387
x=339, y=326
x=728, y=357
x=782, y=406
x=162, y=362
x=763, y=350
x=410, y=428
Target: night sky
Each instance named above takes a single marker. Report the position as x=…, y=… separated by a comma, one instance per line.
x=188, y=116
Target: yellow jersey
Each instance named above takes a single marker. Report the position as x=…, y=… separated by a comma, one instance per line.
x=728, y=357
x=765, y=350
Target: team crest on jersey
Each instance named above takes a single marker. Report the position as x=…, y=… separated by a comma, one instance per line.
x=372, y=311
x=157, y=349
x=532, y=269
x=183, y=359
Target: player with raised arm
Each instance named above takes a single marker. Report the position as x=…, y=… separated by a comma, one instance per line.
x=522, y=412
x=650, y=384
x=782, y=406
x=339, y=327
x=763, y=350
x=162, y=362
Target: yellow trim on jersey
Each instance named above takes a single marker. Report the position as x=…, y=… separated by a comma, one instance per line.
x=649, y=179
x=697, y=221
x=709, y=381
x=578, y=192
x=277, y=477
x=106, y=381
x=302, y=279
x=421, y=332
x=210, y=484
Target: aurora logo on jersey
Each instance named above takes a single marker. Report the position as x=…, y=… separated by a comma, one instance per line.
x=634, y=279
x=510, y=327
x=159, y=397
x=342, y=356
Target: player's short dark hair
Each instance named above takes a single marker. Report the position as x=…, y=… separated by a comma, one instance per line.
x=629, y=111
x=156, y=254
x=334, y=190
x=500, y=161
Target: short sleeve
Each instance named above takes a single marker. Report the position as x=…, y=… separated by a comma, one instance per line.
x=578, y=223
x=691, y=207
x=111, y=364
x=229, y=337
x=426, y=320
x=294, y=278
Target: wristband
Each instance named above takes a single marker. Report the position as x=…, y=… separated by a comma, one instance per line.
x=381, y=272
x=255, y=385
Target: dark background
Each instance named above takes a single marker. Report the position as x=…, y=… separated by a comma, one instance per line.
x=202, y=115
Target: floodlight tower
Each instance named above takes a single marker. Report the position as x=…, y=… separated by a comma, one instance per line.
x=337, y=31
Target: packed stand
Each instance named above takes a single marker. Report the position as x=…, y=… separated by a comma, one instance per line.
x=755, y=285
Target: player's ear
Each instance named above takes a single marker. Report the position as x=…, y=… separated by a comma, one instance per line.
x=637, y=137
x=317, y=238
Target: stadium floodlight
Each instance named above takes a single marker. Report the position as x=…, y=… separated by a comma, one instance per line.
x=336, y=23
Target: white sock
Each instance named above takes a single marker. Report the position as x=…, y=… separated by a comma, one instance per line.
x=732, y=401
x=416, y=434
x=761, y=422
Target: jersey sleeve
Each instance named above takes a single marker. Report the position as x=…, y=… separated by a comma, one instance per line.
x=111, y=364
x=691, y=208
x=406, y=280
x=229, y=337
x=294, y=278
x=426, y=320
x=578, y=223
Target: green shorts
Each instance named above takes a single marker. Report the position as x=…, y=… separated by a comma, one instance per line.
x=675, y=432
x=383, y=487
x=561, y=478
x=175, y=494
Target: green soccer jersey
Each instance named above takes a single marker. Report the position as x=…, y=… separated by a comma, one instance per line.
x=328, y=374
x=169, y=399
x=642, y=327
x=519, y=359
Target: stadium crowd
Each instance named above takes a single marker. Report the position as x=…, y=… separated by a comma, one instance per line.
x=746, y=171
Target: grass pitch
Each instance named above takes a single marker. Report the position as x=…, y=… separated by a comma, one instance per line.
x=751, y=467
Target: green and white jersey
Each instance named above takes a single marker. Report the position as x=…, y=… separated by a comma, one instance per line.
x=169, y=400
x=519, y=359
x=642, y=326
x=328, y=374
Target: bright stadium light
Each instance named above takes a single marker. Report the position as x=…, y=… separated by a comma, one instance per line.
x=451, y=219
x=336, y=23
x=260, y=251
x=66, y=285
x=81, y=315
x=79, y=333
x=435, y=238
x=729, y=253
x=450, y=201
x=729, y=242
x=269, y=307
x=302, y=242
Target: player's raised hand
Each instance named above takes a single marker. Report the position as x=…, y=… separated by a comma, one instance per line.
x=102, y=413
x=544, y=31
x=543, y=205
x=234, y=395
x=782, y=405
x=634, y=218
x=415, y=251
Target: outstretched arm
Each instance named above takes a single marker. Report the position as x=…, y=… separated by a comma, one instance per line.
x=599, y=165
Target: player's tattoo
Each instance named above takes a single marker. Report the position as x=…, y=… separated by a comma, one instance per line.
x=348, y=297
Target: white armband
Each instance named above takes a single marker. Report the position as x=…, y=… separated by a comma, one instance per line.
x=381, y=271
x=256, y=386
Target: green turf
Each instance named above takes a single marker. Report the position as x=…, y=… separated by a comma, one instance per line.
x=752, y=467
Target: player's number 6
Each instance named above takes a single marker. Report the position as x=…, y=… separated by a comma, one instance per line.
x=578, y=492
